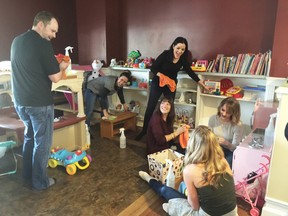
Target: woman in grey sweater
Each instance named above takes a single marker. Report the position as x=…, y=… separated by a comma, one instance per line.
x=227, y=126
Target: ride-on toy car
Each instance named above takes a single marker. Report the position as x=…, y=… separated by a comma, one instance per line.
x=70, y=160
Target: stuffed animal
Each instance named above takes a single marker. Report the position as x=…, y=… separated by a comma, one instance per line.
x=134, y=54
x=113, y=62
x=96, y=65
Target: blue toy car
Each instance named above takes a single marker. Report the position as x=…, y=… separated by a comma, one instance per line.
x=70, y=160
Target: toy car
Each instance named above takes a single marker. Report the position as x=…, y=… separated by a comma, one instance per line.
x=70, y=160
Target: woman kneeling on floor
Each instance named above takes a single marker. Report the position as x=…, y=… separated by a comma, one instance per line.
x=208, y=177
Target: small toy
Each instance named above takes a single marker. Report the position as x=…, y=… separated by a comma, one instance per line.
x=134, y=54
x=234, y=91
x=70, y=160
x=133, y=59
x=96, y=65
x=148, y=62
x=212, y=85
x=199, y=65
x=252, y=188
x=225, y=84
x=113, y=62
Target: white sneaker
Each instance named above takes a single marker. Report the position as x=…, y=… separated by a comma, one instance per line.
x=165, y=207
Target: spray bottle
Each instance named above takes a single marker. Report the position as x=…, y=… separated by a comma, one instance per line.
x=170, y=179
x=67, y=49
x=269, y=131
x=88, y=141
x=122, y=138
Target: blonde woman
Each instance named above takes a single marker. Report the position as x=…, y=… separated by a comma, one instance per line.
x=207, y=176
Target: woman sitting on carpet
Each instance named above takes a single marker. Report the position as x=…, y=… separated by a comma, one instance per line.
x=227, y=126
x=209, y=180
x=160, y=129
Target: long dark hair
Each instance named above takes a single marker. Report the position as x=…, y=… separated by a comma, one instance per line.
x=128, y=75
x=171, y=115
x=177, y=41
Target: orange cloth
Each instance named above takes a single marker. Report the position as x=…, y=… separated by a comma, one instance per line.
x=164, y=80
x=60, y=57
x=184, y=137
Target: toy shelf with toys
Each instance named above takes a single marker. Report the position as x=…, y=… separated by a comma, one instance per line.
x=246, y=88
x=137, y=94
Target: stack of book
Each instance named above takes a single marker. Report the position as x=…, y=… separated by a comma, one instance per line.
x=249, y=63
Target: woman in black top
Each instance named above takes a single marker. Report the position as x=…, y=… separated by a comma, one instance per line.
x=168, y=63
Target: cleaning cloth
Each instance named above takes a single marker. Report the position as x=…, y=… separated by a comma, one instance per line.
x=184, y=137
x=165, y=80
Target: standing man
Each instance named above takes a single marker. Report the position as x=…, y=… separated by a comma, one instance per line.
x=34, y=68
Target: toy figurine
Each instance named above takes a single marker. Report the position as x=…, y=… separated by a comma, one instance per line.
x=113, y=62
x=133, y=58
x=96, y=65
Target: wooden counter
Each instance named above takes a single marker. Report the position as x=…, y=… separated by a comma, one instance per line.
x=69, y=132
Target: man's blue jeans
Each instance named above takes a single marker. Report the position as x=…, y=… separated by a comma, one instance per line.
x=165, y=191
x=38, y=136
x=90, y=99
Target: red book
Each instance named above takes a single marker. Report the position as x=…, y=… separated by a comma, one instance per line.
x=255, y=64
x=239, y=58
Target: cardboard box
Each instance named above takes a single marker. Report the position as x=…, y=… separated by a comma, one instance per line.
x=158, y=167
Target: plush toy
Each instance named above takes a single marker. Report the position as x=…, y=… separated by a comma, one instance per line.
x=133, y=58
x=134, y=54
x=96, y=65
x=113, y=62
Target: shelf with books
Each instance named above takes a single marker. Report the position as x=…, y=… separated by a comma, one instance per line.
x=248, y=63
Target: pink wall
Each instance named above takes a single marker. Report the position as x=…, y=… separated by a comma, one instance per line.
x=91, y=30
x=17, y=17
x=106, y=29
x=211, y=27
x=279, y=63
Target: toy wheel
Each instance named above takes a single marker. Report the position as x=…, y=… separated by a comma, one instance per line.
x=84, y=163
x=89, y=157
x=71, y=169
x=52, y=163
x=254, y=212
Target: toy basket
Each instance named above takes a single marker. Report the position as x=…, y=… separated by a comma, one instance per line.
x=8, y=161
